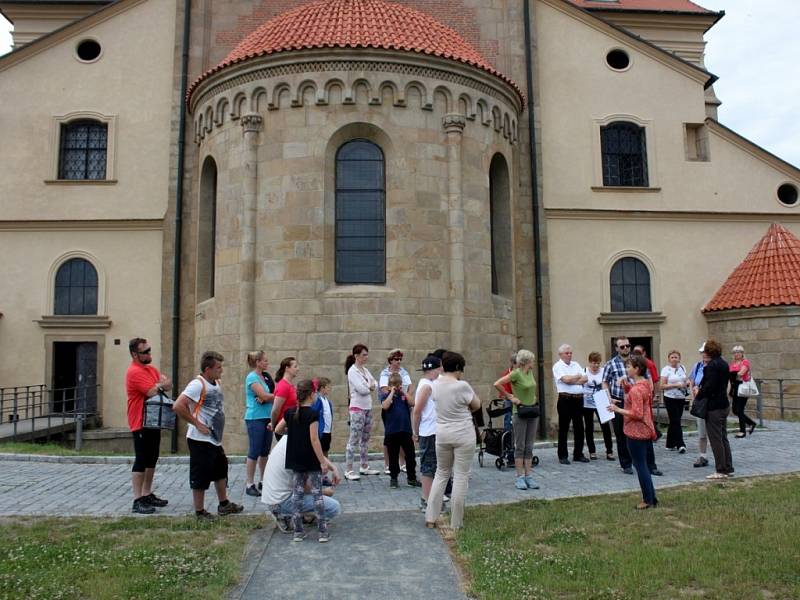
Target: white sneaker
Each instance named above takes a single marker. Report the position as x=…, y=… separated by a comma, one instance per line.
x=386, y=470
x=445, y=498
x=403, y=468
x=352, y=476
x=368, y=471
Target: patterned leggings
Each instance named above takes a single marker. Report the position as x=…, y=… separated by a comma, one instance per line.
x=360, y=428
x=298, y=491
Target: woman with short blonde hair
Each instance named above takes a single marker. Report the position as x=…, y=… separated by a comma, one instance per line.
x=740, y=372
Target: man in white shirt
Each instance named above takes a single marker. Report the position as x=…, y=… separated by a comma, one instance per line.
x=569, y=379
x=277, y=490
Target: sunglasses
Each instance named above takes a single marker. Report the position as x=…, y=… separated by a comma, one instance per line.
x=394, y=358
x=145, y=351
x=620, y=346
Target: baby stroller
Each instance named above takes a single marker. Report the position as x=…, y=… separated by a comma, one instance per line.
x=498, y=441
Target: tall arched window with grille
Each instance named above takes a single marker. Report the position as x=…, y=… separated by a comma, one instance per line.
x=500, y=226
x=207, y=230
x=83, y=150
x=75, y=288
x=624, y=150
x=630, y=286
x=360, y=213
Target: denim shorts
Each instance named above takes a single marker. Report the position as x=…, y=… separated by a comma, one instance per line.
x=427, y=455
x=259, y=438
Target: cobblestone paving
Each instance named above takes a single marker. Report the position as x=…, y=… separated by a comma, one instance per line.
x=34, y=487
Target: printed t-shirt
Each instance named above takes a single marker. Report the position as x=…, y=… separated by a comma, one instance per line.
x=397, y=418
x=138, y=380
x=427, y=421
x=286, y=390
x=594, y=383
x=524, y=387
x=300, y=454
x=254, y=409
x=211, y=414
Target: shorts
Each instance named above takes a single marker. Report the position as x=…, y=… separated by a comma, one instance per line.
x=146, y=446
x=427, y=455
x=259, y=438
x=207, y=463
x=325, y=442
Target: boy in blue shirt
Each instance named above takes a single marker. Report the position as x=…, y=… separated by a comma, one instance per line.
x=396, y=411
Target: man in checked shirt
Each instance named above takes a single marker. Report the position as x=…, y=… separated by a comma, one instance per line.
x=613, y=378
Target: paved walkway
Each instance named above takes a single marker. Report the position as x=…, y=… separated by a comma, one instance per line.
x=379, y=525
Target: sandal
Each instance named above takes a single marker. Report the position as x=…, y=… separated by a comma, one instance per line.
x=642, y=506
x=592, y=456
x=610, y=456
x=717, y=476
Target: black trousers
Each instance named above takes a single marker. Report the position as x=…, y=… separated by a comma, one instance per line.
x=716, y=424
x=570, y=410
x=622, y=440
x=393, y=443
x=675, y=407
x=588, y=428
x=739, y=402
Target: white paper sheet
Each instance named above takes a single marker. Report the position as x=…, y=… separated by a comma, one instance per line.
x=601, y=402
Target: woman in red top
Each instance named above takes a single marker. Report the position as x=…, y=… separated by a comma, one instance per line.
x=285, y=392
x=739, y=372
x=638, y=425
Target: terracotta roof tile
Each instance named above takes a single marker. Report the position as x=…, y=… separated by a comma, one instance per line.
x=768, y=276
x=356, y=24
x=685, y=6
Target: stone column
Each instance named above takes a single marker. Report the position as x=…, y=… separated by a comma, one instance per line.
x=251, y=125
x=453, y=124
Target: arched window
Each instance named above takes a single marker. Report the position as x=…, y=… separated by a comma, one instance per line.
x=630, y=286
x=83, y=149
x=360, y=213
x=500, y=217
x=624, y=150
x=207, y=230
x=75, y=288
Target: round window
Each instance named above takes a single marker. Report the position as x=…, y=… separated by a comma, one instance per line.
x=618, y=59
x=787, y=194
x=88, y=50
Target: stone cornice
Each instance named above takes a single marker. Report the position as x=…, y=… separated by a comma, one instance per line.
x=589, y=214
x=760, y=312
x=93, y=225
x=627, y=318
x=74, y=322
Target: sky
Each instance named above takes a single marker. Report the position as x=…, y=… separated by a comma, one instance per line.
x=755, y=52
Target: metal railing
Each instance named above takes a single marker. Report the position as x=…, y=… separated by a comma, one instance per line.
x=36, y=412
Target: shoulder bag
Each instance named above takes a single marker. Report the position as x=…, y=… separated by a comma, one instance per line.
x=747, y=389
x=699, y=407
x=528, y=411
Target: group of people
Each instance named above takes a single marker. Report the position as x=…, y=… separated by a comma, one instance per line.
x=296, y=476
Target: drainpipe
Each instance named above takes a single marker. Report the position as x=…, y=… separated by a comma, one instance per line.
x=176, y=266
x=537, y=236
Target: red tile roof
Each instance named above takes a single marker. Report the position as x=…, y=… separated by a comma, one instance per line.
x=768, y=276
x=356, y=24
x=684, y=6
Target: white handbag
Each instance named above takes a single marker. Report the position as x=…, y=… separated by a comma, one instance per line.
x=747, y=389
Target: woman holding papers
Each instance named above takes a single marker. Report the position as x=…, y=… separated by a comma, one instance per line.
x=638, y=425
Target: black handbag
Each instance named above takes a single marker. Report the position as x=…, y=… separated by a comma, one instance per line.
x=699, y=408
x=528, y=411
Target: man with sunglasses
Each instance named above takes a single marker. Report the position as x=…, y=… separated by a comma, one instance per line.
x=614, y=379
x=143, y=381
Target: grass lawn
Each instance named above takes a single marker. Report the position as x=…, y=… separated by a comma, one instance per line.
x=735, y=540
x=156, y=558
x=52, y=449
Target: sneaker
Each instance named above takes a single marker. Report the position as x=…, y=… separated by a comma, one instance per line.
x=154, y=500
x=260, y=487
x=386, y=470
x=142, y=507
x=532, y=485
x=414, y=483
x=204, y=515
x=563, y=461
x=445, y=498
x=284, y=524
x=252, y=490
x=423, y=504
x=403, y=468
x=324, y=537
x=368, y=471
x=580, y=458
x=351, y=476
x=393, y=484
x=521, y=483
x=231, y=508
x=682, y=450
x=656, y=473
x=299, y=536
x=701, y=461
x=627, y=470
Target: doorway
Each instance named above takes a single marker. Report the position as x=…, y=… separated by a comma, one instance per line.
x=74, y=377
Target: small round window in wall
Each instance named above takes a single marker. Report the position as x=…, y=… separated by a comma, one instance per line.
x=88, y=50
x=787, y=194
x=618, y=59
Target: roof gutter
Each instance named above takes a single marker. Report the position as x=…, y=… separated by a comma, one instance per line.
x=178, y=241
x=537, y=236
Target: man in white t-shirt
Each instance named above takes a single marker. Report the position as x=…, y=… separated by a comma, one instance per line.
x=569, y=379
x=202, y=406
x=277, y=490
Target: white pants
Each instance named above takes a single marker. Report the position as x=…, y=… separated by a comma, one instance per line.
x=455, y=448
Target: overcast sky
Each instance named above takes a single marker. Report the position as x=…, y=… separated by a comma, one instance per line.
x=755, y=52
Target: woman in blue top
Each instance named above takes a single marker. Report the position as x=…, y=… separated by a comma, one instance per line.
x=258, y=407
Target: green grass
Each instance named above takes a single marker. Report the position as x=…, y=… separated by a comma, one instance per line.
x=736, y=540
x=53, y=449
x=159, y=558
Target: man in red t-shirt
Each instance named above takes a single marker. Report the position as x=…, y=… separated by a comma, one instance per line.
x=143, y=381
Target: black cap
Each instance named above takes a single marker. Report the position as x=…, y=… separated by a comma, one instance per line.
x=430, y=362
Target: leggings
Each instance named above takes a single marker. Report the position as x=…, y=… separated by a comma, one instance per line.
x=314, y=479
x=360, y=428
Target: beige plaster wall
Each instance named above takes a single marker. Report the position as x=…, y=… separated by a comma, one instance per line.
x=128, y=264
x=131, y=80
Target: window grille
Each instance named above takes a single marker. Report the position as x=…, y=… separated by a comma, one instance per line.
x=624, y=151
x=83, y=150
x=630, y=286
x=76, y=288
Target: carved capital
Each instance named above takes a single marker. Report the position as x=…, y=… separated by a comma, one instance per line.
x=251, y=122
x=454, y=122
